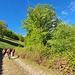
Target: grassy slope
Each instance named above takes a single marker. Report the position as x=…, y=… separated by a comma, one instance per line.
x=9, y=43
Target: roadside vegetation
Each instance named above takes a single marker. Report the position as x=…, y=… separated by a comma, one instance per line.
x=49, y=41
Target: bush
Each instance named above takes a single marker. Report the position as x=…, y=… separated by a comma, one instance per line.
x=71, y=61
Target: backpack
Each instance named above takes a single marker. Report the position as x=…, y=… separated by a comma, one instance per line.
x=8, y=51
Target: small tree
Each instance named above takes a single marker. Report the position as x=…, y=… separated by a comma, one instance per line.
x=21, y=38
x=3, y=28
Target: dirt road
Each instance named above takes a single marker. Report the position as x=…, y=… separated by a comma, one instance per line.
x=16, y=66
x=9, y=67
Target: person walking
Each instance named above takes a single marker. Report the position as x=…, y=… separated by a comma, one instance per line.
x=13, y=51
x=9, y=53
x=3, y=52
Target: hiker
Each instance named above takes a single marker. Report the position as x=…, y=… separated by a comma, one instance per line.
x=3, y=52
x=9, y=53
x=13, y=51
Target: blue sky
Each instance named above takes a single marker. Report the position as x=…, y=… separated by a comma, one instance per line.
x=13, y=11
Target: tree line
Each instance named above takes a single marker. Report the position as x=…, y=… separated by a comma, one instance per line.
x=4, y=31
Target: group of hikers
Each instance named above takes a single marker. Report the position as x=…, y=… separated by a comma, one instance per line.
x=10, y=52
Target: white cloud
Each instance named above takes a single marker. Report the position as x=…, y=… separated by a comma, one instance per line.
x=64, y=13
x=72, y=6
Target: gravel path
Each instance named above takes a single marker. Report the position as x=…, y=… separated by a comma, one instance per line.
x=9, y=67
x=16, y=66
x=32, y=70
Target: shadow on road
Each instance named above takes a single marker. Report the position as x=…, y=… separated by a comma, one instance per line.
x=1, y=61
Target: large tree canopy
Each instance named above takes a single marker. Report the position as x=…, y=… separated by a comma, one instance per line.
x=39, y=23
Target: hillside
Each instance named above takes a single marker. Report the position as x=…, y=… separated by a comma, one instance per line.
x=7, y=42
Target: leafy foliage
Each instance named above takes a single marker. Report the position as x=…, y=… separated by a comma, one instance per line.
x=3, y=27
x=63, y=44
x=21, y=38
x=39, y=24
x=49, y=38
x=11, y=34
x=63, y=38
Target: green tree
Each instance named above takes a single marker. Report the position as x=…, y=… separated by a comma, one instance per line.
x=21, y=38
x=62, y=44
x=39, y=23
x=11, y=34
x=63, y=38
x=3, y=28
